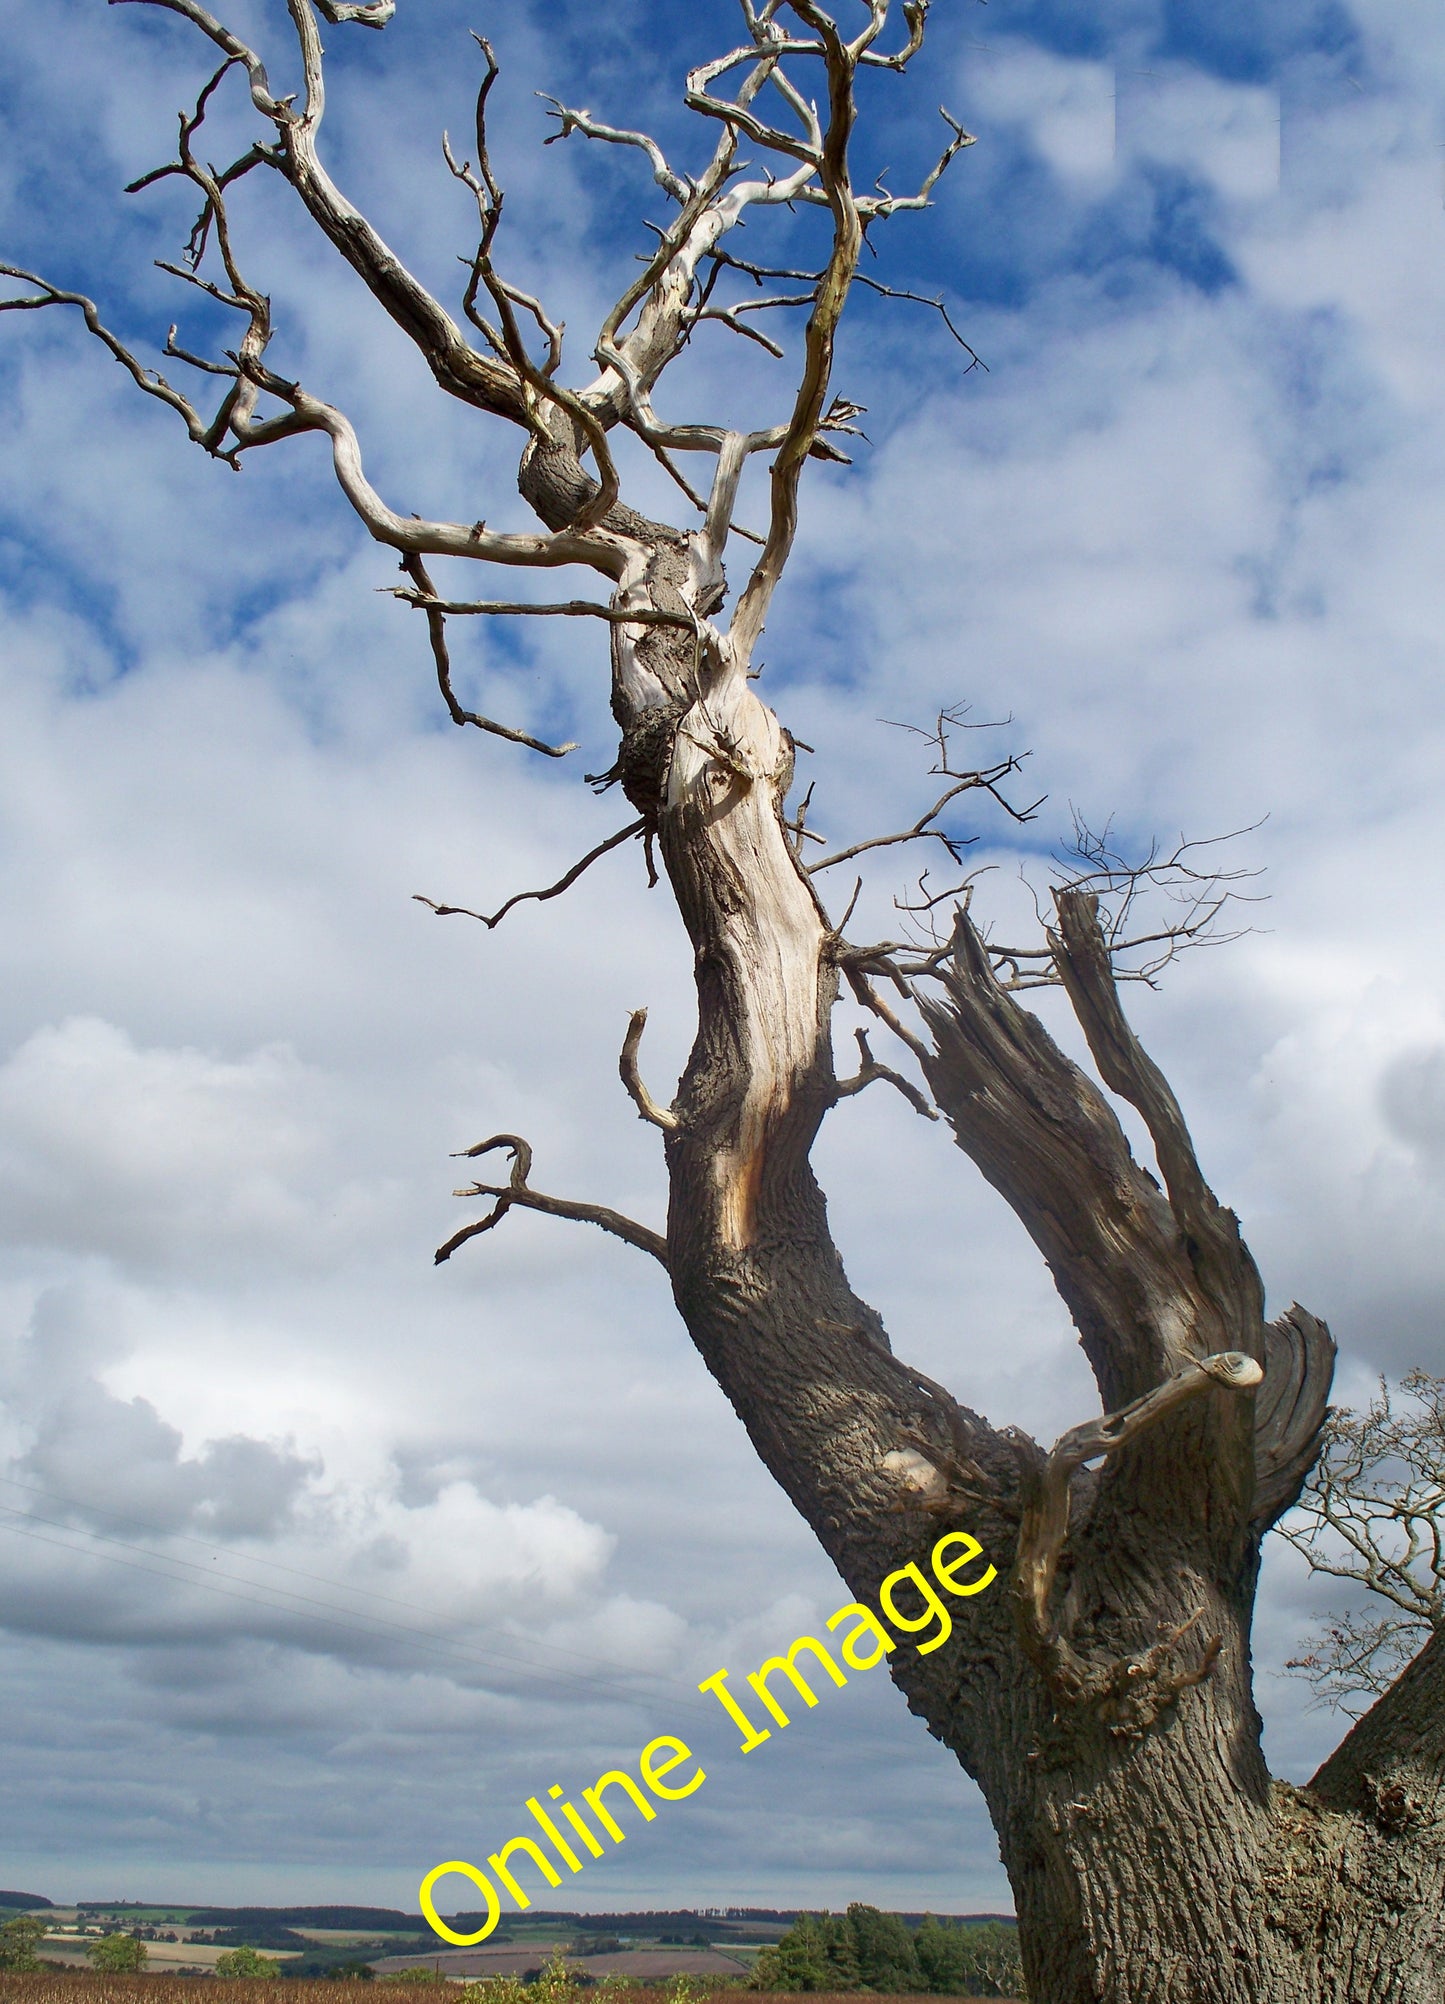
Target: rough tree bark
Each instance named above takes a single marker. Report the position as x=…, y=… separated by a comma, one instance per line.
x=1103, y=1702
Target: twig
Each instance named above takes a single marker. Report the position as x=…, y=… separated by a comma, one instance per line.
x=1119, y=884
x=541, y=897
x=922, y=829
x=725, y=260
x=976, y=360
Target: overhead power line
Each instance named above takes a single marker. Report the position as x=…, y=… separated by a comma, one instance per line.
x=597, y=1663
x=603, y=1680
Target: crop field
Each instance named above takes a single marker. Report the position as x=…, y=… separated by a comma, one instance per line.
x=88, y=1987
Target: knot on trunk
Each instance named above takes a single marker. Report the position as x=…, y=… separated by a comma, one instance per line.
x=1127, y=1694
x=1394, y=1807
x=645, y=757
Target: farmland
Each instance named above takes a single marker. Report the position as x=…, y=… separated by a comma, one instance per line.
x=677, y=1957
x=86, y=1987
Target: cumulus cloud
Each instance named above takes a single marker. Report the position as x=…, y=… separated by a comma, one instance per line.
x=1412, y=1099
x=1065, y=106
x=152, y=1156
x=1226, y=134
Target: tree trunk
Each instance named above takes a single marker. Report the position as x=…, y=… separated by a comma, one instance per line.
x=1102, y=1697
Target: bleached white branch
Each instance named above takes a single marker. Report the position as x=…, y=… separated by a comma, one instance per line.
x=365, y=13
x=876, y=207
x=413, y=533
x=629, y=1069
x=570, y=121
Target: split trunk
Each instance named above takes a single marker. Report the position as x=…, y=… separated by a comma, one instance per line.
x=1100, y=1695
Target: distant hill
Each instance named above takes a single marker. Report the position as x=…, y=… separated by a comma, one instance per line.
x=721, y=1922
x=386, y=1920
x=24, y=1900
x=644, y=1921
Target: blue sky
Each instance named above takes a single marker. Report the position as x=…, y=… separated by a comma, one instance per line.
x=1185, y=531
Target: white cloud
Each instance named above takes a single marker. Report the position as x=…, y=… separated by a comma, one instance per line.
x=1226, y=134
x=162, y=1157
x=1067, y=107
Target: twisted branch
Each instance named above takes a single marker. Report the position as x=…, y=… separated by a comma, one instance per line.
x=1044, y=1528
x=627, y=1065
x=517, y=1191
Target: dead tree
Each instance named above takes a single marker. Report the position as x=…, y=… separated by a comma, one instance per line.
x=1103, y=1703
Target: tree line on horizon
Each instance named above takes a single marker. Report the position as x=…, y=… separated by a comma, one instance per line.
x=865, y=1949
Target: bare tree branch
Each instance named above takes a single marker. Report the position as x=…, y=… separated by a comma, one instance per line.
x=1201, y=895
x=489, y=199
x=868, y=995
x=923, y=828
x=727, y=316
x=569, y=121
x=975, y=360
x=572, y=608
x=366, y=14
x=886, y=204
x=412, y=533
x=425, y=597
x=552, y=891
x=457, y=366
x=725, y=260
x=518, y=1191
x=149, y=380
x=870, y=1069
